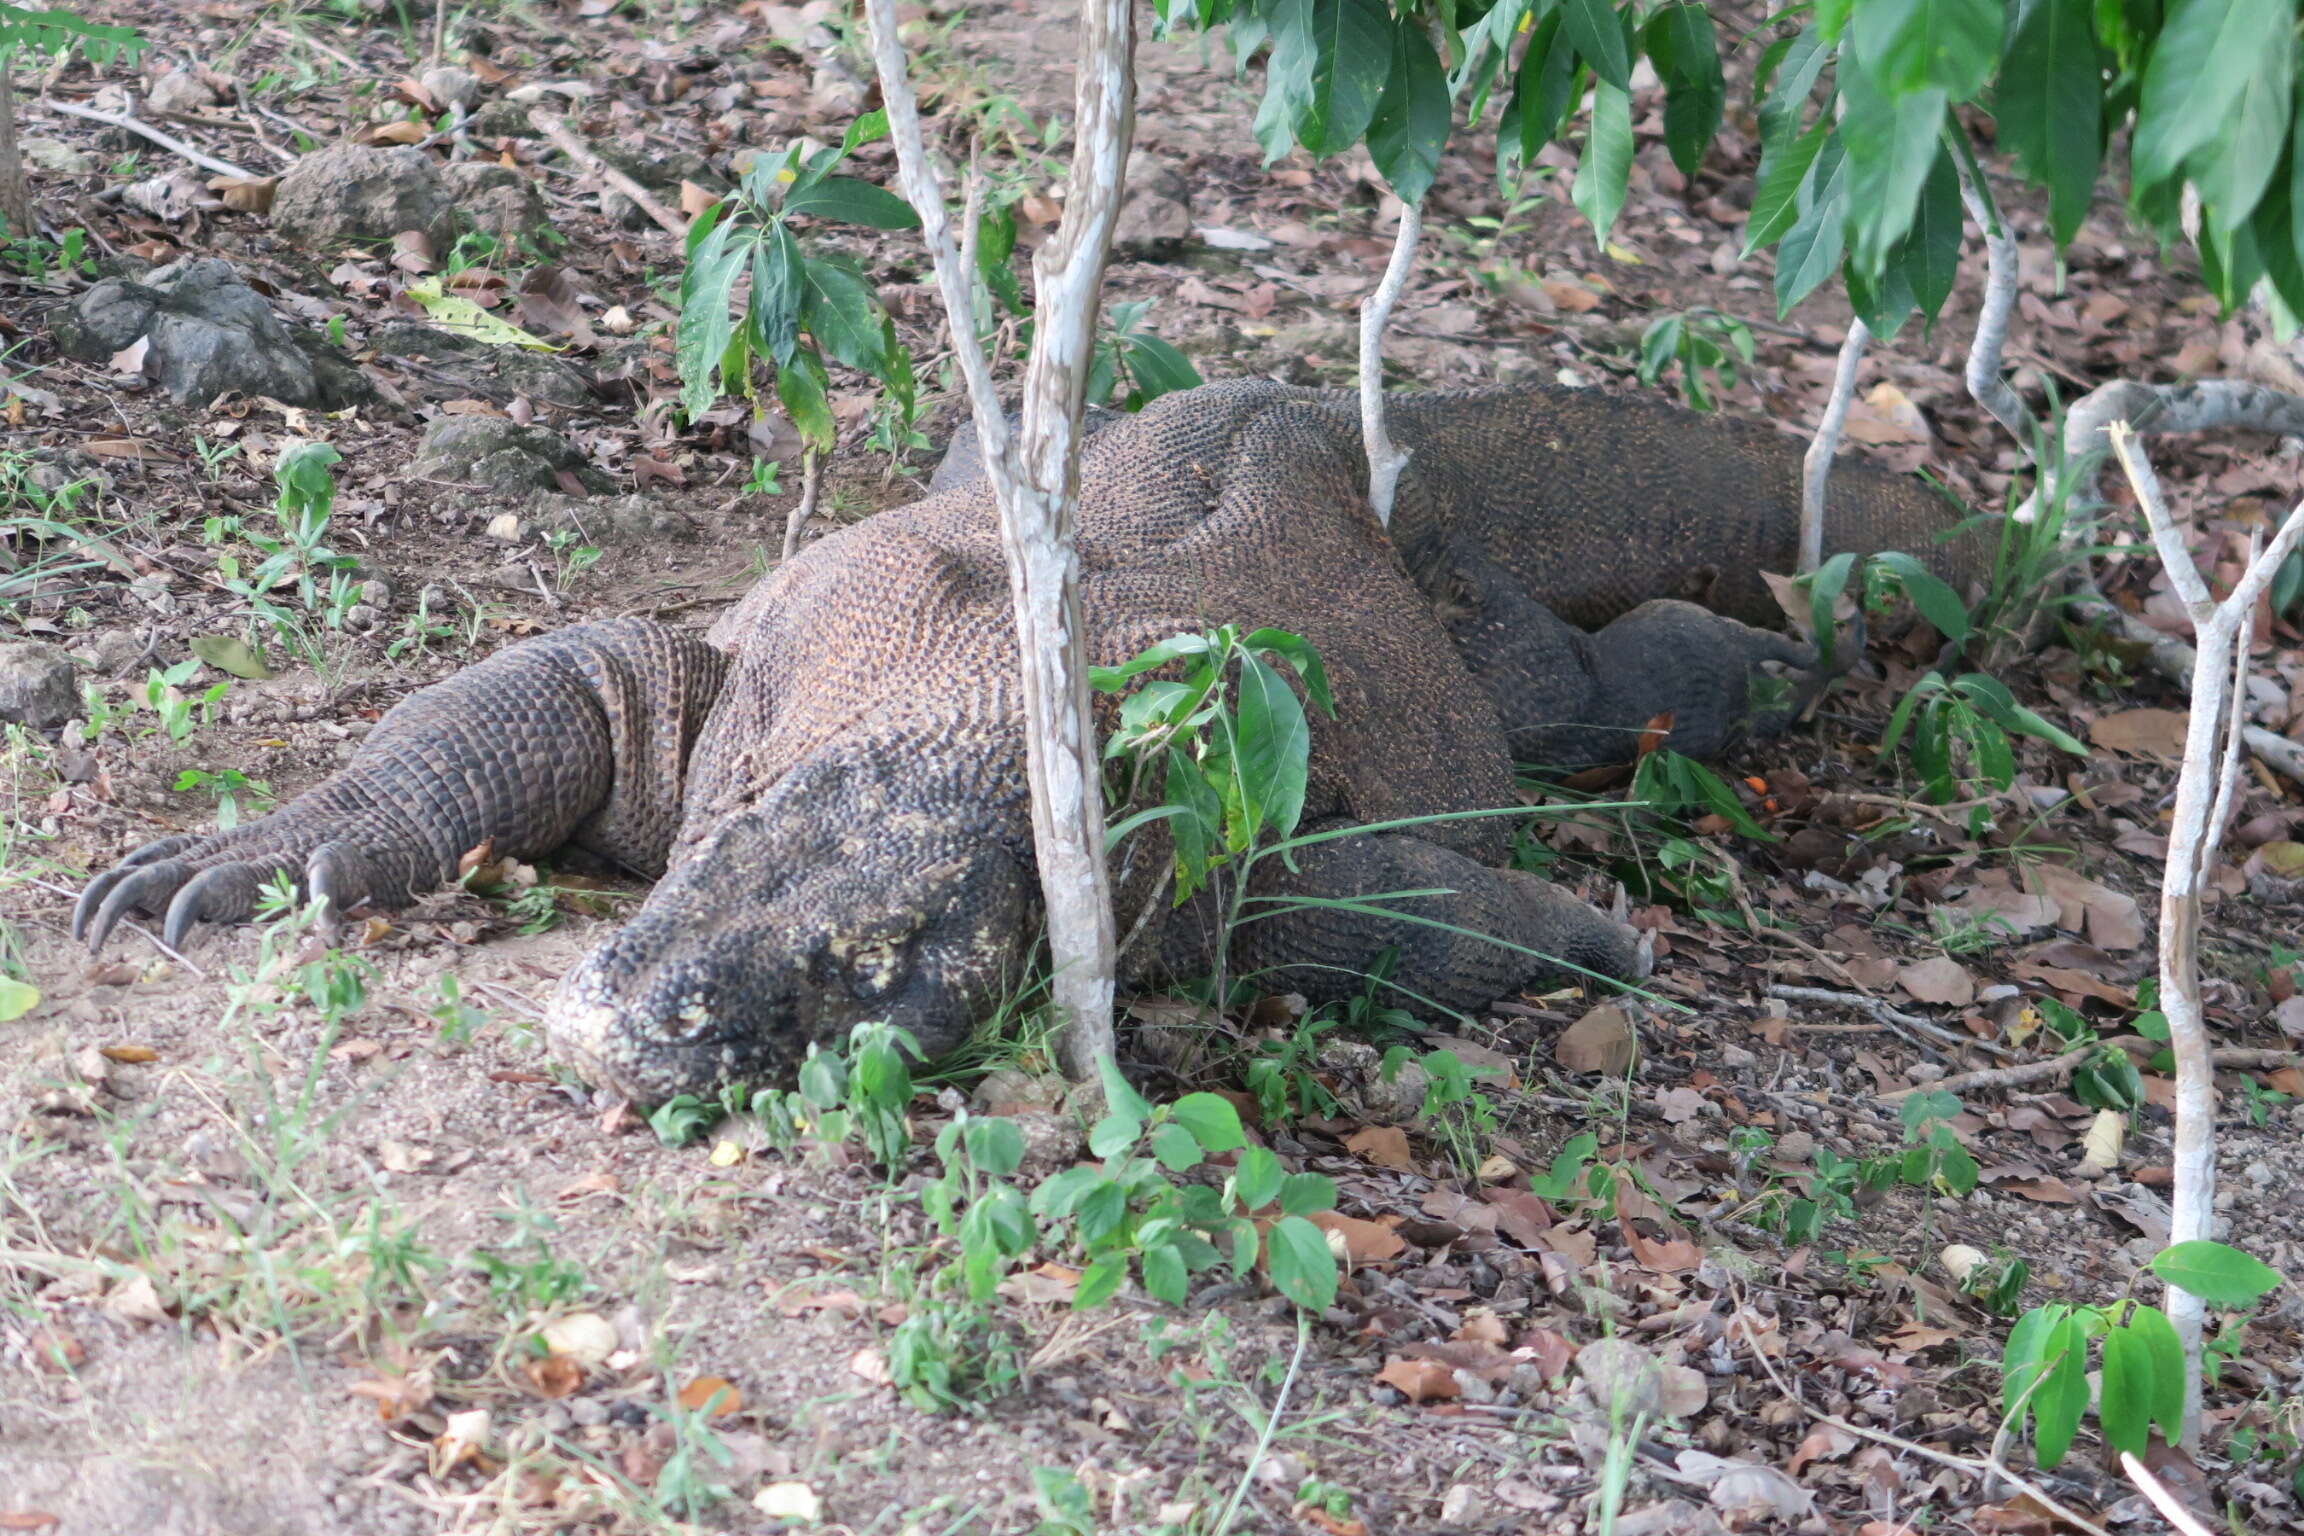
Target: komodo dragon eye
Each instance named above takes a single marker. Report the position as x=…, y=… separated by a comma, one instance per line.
x=871, y=967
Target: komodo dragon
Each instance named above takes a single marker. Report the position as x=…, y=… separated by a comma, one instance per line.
x=832, y=784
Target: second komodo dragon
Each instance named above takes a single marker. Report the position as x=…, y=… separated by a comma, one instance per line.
x=832, y=783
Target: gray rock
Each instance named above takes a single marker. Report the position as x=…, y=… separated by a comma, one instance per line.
x=658, y=173
x=208, y=334
x=1156, y=209
x=451, y=86
x=497, y=199
x=39, y=685
x=177, y=92
x=502, y=119
x=502, y=457
x=56, y=158
x=542, y=377
x=362, y=192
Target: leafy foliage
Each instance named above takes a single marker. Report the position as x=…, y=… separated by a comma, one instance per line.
x=49, y=32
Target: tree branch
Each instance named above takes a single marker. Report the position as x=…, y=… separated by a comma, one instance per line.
x=1987, y=385
x=1816, y=465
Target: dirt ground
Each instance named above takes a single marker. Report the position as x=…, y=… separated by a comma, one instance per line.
x=264, y=1269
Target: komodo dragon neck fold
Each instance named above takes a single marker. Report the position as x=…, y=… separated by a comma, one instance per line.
x=835, y=783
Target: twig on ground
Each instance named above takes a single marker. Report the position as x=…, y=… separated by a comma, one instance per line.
x=1816, y=464
x=145, y=130
x=811, y=483
x=1990, y=1466
x=1271, y=1424
x=2171, y=1509
x=1385, y=460
x=568, y=143
x=2237, y=1058
x=128, y=924
x=1893, y=1018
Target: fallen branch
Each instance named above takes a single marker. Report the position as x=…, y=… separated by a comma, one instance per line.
x=1890, y=1017
x=2171, y=1509
x=2223, y=629
x=566, y=141
x=1816, y=465
x=145, y=130
x=2237, y=1058
x=1385, y=460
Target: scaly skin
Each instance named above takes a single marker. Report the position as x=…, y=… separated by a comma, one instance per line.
x=853, y=833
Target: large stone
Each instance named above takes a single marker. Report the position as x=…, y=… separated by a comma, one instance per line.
x=363, y=193
x=207, y=333
x=1155, y=209
x=489, y=453
x=491, y=372
x=497, y=200
x=39, y=685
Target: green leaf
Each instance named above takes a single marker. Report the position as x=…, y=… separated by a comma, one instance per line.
x=1302, y=1266
x=2205, y=49
x=1257, y=1178
x=1349, y=47
x=1172, y=1144
x=2235, y=167
x=1113, y=1135
x=1274, y=748
x=1598, y=34
x=1540, y=92
x=2026, y=1355
x=1892, y=140
x=1120, y=1096
x=1686, y=52
x=1060, y=1194
x=707, y=319
x=2219, y=1275
x=1157, y=367
x=1413, y=118
x=1824, y=591
x=1937, y=602
x=1932, y=249
x=774, y=311
x=1810, y=252
x=1099, y=1281
x=852, y=202
x=995, y=1144
x=2124, y=1407
x=227, y=653
x=2165, y=1374
x=1776, y=206
x=17, y=998
x=1211, y=1119
x=1786, y=106
x=1604, y=172
x=803, y=388
x=839, y=309
x=1301, y=1194
x=2050, y=105
x=1299, y=653
x=1921, y=45
x=2062, y=1400
x=1164, y=1274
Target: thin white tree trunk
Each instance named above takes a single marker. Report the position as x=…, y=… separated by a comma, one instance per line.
x=2222, y=630
x=1987, y=386
x=1385, y=460
x=1816, y=465
x=1037, y=483
x=15, y=193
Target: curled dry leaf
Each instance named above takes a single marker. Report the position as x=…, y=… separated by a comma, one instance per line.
x=465, y=1436
x=555, y=1376
x=1602, y=1041
x=1358, y=1241
x=1384, y=1145
x=1938, y=979
x=714, y=1393
x=2110, y=918
x=245, y=194
x=584, y=1337
x=2152, y=733
x=1420, y=1381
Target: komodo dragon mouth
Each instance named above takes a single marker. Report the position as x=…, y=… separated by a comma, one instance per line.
x=832, y=782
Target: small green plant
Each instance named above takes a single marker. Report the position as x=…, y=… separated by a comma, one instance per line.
x=1960, y=731
x=1281, y=1074
x=214, y=455
x=226, y=786
x=1459, y=1115
x=525, y=1276
x=1132, y=366
x=2044, y=1381
x=179, y=715
x=767, y=478
x=459, y=1021
x=570, y=558
x=1700, y=341
x=1934, y=1158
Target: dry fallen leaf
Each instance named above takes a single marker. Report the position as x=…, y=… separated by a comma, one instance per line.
x=584, y=1337
x=789, y=1501
x=1363, y=1242
x=1384, y=1145
x=716, y=1393
x=2153, y=733
x=1420, y=1381
x=2110, y=918
x=1601, y=1041
x=1938, y=979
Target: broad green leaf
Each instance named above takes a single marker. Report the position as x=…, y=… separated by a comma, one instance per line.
x=17, y=998
x=1686, y=52
x=2124, y=1407
x=2219, y=1275
x=868, y=129
x=1257, y=1177
x=227, y=653
x=840, y=311
x=1921, y=45
x=1102, y=1210
x=1157, y=367
x=1932, y=250
x=2233, y=169
x=455, y=313
x=1299, y=653
x=1301, y=1194
x=1350, y=57
x=802, y=387
x=852, y=202
x=1172, y=1144
x=1885, y=303
x=1540, y=92
x=1412, y=120
x=995, y=1144
x=2062, y=1400
x=2050, y=104
x=1824, y=592
x=2165, y=1394
x=2025, y=1356
x=1164, y=1275
x=1211, y=1119
x=1598, y=34
x=1938, y=603
x=1275, y=744
x=707, y=320
x=1604, y=171
x=1059, y=1195
x=774, y=308
x=1303, y=1267
x=1120, y=1096
x=2205, y=49
x=1892, y=140
x=1784, y=170
x=1787, y=103
x=1099, y=1281
x=1810, y=251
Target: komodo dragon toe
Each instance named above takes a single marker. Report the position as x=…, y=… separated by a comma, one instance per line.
x=833, y=783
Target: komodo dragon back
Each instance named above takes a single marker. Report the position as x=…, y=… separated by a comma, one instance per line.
x=854, y=837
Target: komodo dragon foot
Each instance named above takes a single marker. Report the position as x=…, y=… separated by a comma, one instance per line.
x=579, y=736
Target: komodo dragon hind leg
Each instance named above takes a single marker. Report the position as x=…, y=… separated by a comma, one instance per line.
x=577, y=736
x=1490, y=933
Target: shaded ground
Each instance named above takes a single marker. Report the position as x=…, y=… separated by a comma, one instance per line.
x=263, y=1272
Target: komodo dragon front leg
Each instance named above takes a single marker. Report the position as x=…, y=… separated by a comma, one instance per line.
x=580, y=736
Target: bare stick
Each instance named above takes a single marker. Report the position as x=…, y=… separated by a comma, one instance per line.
x=811, y=482
x=1816, y=466
x=2155, y=1490
x=1385, y=461
x=1987, y=386
x=1037, y=483
x=2199, y=405
x=2220, y=627
x=439, y=29
x=1892, y=1018
x=145, y=130
x=564, y=138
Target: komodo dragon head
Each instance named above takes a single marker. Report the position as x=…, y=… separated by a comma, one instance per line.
x=845, y=892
